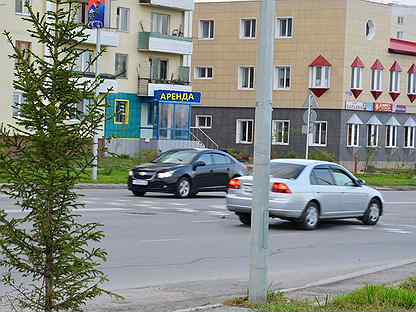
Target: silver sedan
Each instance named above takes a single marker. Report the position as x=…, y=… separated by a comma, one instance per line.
x=306, y=191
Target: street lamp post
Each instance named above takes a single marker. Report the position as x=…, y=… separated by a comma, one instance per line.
x=259, y=249
x=94, y=173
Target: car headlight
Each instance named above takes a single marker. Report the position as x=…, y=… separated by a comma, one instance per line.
x=163, y=175
x=130, y=173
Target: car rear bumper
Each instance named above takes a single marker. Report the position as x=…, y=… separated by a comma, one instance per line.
x=292, y=208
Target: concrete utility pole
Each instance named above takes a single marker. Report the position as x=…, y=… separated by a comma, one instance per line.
x=309, y=127
x=259, y=245
x=94, y=173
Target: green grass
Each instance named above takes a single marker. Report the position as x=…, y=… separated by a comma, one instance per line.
x=391, y=178
x=367, y=299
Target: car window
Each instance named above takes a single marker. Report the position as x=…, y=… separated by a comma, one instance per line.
x=176, y=157
x=342, y=178
x=221, y=159
x=286, y=171
x=321, y=176
x=207, y=159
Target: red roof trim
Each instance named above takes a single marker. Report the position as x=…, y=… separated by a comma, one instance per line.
x=412, y=69
x=320, y=61
x=395, y=67
x=357, y=63
x=404, y=47
x=377, y=65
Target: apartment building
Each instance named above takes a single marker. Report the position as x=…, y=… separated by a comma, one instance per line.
x=148, y=48
x=347, y=53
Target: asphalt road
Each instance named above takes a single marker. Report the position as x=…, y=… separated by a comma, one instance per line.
x=160, y=240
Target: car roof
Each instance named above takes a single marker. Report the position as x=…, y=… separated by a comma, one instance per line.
x=303, y=162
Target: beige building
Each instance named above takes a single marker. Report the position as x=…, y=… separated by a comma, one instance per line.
x=148, y=47
x=348, y=53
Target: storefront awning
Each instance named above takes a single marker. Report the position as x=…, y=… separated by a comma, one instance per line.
x=354, y=120
x=393, y=122
x=410, y=122
x=374, y=121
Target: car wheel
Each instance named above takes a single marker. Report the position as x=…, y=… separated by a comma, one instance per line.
x=183, y=188
x=139, y=193
x=373, y=212
x=310, y=217
x=245, y=218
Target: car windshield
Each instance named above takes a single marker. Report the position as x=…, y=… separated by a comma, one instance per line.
x=286, y=170
x=176, y=157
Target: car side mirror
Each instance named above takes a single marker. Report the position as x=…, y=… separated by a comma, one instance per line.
x=361, y=182
x=199, y=163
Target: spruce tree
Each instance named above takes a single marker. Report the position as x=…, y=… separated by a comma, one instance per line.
x=49, y=258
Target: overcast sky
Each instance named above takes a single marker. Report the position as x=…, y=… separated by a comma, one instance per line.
x=411, y=2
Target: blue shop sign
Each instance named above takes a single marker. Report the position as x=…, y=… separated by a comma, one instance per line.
x=177, y=97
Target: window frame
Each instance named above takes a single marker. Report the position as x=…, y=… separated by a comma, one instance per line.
x=320, y=134
x=238, y=131
x=395, y=81
x=206, y=67
x=125, y=75
x=160, y=23
x=278, y=21
x=353, y=136
x=205, y=126
x=119, y=10
x=409, y=141
x=377, y=79
x=357, y=74
x=24, y=12
x=240, y=76
x=411, y=84
x=400, y=35
x=127, y=112
x=276, y=127
x=312, y=175
x=389, y=131
x=277, y=79
x=370, y=135
x=325, y=71
x=211, y=29
x=242, y=28
x=16, y=109
x=400, y=20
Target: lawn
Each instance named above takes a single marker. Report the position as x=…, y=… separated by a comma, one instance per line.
x=370, y=298
x=391, y=178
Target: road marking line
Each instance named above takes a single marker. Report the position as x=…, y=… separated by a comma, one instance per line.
x=161, y=240
x=222, y=207
x=404, y=225
x=363, y=228
x=186, y=210
x=397, y=231
x=400, y=203
x=204, y=221
x=218, y=213
x=177, y=204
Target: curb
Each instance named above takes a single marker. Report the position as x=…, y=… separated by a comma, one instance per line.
x=101, y=186
x=320, y=283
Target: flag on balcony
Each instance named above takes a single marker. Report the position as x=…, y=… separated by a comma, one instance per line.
x=96, y=13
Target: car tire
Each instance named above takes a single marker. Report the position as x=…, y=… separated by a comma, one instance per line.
x=139, y=193
x=245, y=218
x=183, y=188
x=373, y=213
x=310, y=218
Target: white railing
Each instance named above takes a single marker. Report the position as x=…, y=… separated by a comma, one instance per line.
x=201, y=136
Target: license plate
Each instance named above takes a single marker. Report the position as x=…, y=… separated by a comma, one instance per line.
x=140, y=182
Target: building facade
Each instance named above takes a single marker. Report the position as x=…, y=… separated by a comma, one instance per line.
x=148, y=48
x=357, y=58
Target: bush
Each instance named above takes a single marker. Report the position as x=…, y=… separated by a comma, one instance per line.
x=322, y=155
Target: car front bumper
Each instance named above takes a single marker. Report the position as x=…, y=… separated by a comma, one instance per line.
x=167, y=185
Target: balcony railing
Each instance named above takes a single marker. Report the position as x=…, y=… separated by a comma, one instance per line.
x=156, y=42
x=185, y=5
x=148, y=86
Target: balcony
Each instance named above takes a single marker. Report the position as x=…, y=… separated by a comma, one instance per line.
x=109, y=37
x=148, y=86
x=156, y=42
x=183, y=5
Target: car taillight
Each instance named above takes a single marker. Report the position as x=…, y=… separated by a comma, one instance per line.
x=281, y=188
x=234, y=184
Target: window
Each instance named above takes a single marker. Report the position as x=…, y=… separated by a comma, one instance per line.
x=321, y=176
x=221, y=159
x=280, y=132
x=412, y=83
x=248, y=29
x=377, y=80
x=320, y=134
x=395, y=81
x=282, y=78
x=203, y=72
x=244, y=133
x=370, y=30
x=400, y=35
x=160, y=23
x=206, y=29
x=409, y=137
x=18, y=100
x=81, y=109
x=158, y=69
x=123, y=19
x=357, y=78
x=286, y=171
x=82, y=16
x=121, y=112
x=207, y=159
x=121, y=65
x=353, y=135
x=342, y=178
x=320, y=77
x=372, y=135
x=247, y=77
x=24, y=47
x=284, y=27
x=203, y=121
x=21, y=8
x=400, y=20
x=84, y=62
x=391, y=136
